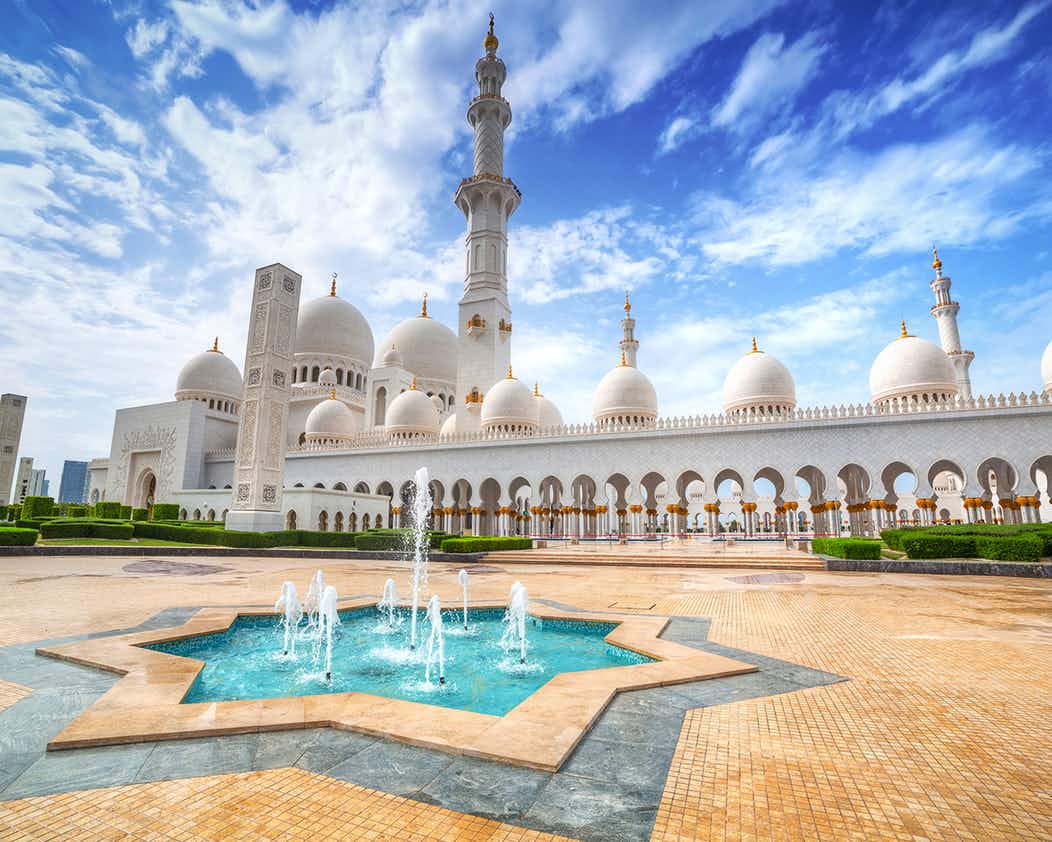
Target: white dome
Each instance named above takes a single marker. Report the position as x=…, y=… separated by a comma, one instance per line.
x=1046, y=368
x=330, y=419
x=440, y=405
x=392, y=357
x=411, y=413
x=428, y=348
x=758, y=381
x=209, y=373
x=327, y=377
x=548, y=414
x=509, y=403
x=449, y=426
x=470, y=422
x=624, y=393
x=911, y=367
x=334, y=327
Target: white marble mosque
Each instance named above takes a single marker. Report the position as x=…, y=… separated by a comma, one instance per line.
x=361, y=416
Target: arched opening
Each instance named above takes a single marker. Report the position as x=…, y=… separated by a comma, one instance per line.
x=365, y=521
x=380, y=407
x=337, y=522
x=352, y=522
x=361, y=488
x=290, y=519
x=323, y=521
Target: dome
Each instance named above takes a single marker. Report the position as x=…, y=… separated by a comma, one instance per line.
x=327, y=377
x=548, y=414
x=428, y=348
x=509, y=403
x=758, y=381
x=911, y=367
x=392, y=357
x=439, y=404
x=624, y=395
x=209, y=373
x=1046, y=368
x=330, y=419
x=469, y=422
x=412, y=413
x=334, y=327
x=449, y=426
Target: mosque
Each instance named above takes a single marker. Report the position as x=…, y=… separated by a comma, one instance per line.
x=353, y=419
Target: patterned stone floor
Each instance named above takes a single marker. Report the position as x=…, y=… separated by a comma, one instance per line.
x=941, y=733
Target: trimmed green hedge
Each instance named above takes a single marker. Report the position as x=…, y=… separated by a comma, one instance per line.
x=108, y=509
x=76, y=510
x=971, y=540
x=36, y=507
x=126, y=513
x=485, y=544
x=86, y=529
x=17, y=537
x=847, y=547
x=396, y=539
x=140, y=514
x=929, y=544
x=1012, y=548
x=165, y=511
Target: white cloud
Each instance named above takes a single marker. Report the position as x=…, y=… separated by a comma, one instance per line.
x=75, y=59
x=679, y=130
x=771, y=76
x=144, y=37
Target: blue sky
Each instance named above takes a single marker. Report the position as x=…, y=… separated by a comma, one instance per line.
x=756, y=167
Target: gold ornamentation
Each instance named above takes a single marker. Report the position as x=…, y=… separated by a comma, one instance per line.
x=423, y=308
x=936, y=264
x=332, y=289
x=215, y=347
x=491, y=43
x=332, y=394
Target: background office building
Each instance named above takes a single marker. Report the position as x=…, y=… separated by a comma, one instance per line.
x=12, y=411
x=74, y=485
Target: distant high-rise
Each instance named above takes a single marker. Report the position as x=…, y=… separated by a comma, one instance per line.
x=74, y=485
x=38, y=484
x=25, y=477
x=12, y=411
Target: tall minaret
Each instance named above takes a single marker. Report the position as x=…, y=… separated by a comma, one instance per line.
x=944, y=311
x=629, y=345
x=488, y=200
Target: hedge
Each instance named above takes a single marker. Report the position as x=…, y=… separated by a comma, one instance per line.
x=86, y=529
x=140, y=514
x=108, y=509
x=10, y=537
x=35, y=507
x=933, y=545
x=847, y=547
x=165, y=511
x=126, y=512
x=396, y=539
x=1013, y=548
x=485, y=545
x=76, y=510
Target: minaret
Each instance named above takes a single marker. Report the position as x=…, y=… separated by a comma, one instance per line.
x=944, y=311
x=629, y=345
x=488, y=200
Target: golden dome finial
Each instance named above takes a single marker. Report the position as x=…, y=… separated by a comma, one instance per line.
x=755, y=350
x=413, y=384
x=624, y=361
x=332, y=394
x=936, y=264
x=332, y=289
x=215, y=346
x=628, y=307
x=491, y=43
x=537, y=389
x=423, y=308
x=510, y=375
x=905, y=333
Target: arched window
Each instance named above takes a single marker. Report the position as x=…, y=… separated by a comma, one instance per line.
x=303, y=374
x=319, y=485
x=314, y=374
x=352, y=522
x=380, y=406
x=197, y=514
x=211, y=403
x=323, y=521
x=290, y=519
x=365, y=521
x=337, y=522
x=339, y=377
x=295, y=373
x=182, y=514
x=211, y=514
x=358, y=381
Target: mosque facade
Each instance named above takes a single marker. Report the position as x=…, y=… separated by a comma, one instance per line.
x=361, y=417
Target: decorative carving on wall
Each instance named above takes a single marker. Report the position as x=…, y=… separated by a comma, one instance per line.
x=259, y=333
x=265, y=280
x=243, y=491
x=270, y=493
x=279, y=378
x=284, y=330
x=248, y=433
x=162, y=439
x=274, y=437
x=254, y=376
x=289, y=284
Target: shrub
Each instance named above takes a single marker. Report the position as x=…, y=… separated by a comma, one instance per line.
x=125, y=512
x=139, y=514
x=308, y=538
x=375, y=540
x=893, y=537
x=64, y=528
x=165, y=511
x=847, y=547
x=108, y=509
x=485, y=544
x=929, y=544
x=76, y=510
x=36, y=507
x=10, y=537
x=1009, y=548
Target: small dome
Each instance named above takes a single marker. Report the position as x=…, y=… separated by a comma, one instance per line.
x=412, y=413
x=624, y=395
x=1046, y=368
x=548, y=414
x=392, y=357
x=330, y=419
x=210, y=373
x=440, y=405
x=334, y=327
x=509, y=403
x=327, y=377
x=759, y=382
x=449, y=426
x=911, y=367
x=428, y=348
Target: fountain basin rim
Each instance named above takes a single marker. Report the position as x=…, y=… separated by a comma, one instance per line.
x=540, y=732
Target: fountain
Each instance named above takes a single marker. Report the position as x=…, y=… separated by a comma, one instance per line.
x=389, y=602
x=421, y=509
x=463, y=578
x=434, y=616
x=317, y=586
x=328, y=618
x=289, y=602
x=515, y=618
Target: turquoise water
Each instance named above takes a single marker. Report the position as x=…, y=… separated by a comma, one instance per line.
x=246, y=661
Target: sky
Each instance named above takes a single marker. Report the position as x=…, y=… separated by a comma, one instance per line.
x=748, y=167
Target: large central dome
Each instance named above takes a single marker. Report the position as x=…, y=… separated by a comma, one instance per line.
x=912, y=368
x=760, y=383
x=333, y=327
x=624, y=396
x=428, y=348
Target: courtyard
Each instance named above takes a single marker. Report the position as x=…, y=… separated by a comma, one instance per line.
x=881, y=706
